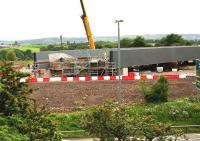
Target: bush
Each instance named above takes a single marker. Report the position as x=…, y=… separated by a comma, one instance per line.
x=151, y=128
x=11, y=134
x=157, y=93
x=107, y=122
x=111, y=121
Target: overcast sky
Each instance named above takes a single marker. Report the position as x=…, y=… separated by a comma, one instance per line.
x=29, y=19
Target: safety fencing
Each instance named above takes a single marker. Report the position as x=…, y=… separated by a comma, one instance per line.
x=101, y=78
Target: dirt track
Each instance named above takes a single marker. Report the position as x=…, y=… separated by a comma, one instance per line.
x=68, y=96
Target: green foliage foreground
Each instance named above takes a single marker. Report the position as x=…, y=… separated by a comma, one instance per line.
x=181, y=112
x=20, y=117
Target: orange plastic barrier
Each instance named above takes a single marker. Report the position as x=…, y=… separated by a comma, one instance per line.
x=88, y=78
x=100, y=78
x=64, y=78
x=112, y=77
x=45, y=79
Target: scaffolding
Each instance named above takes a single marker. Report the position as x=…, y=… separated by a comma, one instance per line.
x=91, y=65
x=87, y=68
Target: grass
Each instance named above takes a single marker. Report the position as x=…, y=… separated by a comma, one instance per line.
x=180, y=112
x=33, y=48
x=67, y=122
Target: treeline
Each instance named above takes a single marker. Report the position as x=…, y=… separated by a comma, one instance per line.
x=57, y=47
x=169, y=40
x=75, y=46
x=139, y=41
x=15, y=54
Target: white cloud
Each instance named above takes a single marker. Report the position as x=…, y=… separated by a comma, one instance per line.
x=25, y=19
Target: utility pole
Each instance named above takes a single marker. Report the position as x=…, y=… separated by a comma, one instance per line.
x=61, y=40
x=119, y=94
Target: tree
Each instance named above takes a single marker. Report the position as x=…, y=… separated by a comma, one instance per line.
x=126, y=42
x=51, y=47
x=3, y=54
x=107, y=121
x=28, y=54
x=105, y=44
x=19, y=54
x=111, y=122
x=139, y=41
x=157, y=93
x=11, y=56
x=173, y=40
x=38, y=126
x=19, y=114
x=13, y=98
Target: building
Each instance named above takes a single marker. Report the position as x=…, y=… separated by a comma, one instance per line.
x=104, y=61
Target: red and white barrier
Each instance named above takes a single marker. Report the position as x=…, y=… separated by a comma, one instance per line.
x=101, y=78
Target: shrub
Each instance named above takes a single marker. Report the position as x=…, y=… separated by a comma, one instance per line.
x=110, y=121
x=107, y=122
x=150, y=127
x=11, y=134
x=157, y=93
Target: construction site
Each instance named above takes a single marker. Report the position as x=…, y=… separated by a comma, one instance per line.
x=100, y=68
x=74, y=63
x=105, y=62
x=125, y=88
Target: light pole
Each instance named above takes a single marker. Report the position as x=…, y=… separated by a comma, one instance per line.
x=119, y=63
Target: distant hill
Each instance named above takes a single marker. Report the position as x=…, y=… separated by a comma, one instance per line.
x=55, y=40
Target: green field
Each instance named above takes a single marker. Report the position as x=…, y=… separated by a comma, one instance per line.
x=33, y=49
x=24, y=48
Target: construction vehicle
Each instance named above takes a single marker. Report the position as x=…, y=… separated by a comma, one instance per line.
x=84, y=17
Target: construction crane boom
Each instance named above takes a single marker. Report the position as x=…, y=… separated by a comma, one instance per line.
x=84, y=17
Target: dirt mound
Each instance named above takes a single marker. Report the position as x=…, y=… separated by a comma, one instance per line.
x=68, y=96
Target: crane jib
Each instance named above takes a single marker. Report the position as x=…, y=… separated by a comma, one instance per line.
x=83, y=8
x=87, y=26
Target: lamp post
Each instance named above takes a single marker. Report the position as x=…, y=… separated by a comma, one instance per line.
x=119, y=63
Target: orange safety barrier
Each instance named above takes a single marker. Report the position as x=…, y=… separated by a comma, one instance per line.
x=156, y=76
x=125, y=78
x=64, y=78
x=131, y=74
x=172, y=76
x=32, y=80
x=100, y=78
x=75, y=78
x=45, y=79
x=88, y=78
x=112, y=77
